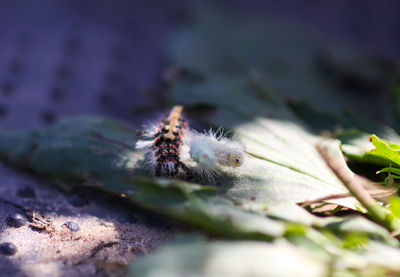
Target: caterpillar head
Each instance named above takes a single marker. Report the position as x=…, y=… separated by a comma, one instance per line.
x=236, y=158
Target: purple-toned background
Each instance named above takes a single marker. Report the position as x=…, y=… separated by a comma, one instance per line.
x=95, y=57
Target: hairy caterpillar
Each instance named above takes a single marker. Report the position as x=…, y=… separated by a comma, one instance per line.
x=211, y=150
x=170, y=145
x=164, y=143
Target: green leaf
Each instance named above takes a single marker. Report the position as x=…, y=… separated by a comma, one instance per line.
x=391, y=170
x=196, y=257
x=362, y=226
x=357, y=146
x=193, y=256
x=386, y=150
x=99, y=153
x=395, y=206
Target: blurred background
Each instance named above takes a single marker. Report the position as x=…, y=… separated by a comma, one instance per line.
x=62, y=58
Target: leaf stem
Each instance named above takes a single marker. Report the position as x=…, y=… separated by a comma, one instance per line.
x=356, y=185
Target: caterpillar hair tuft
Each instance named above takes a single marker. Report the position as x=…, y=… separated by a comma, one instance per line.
x=163, y=144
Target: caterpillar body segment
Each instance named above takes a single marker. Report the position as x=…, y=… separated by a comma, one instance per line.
x=164, y=144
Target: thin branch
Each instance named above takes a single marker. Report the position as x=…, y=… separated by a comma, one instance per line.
x=356, y=185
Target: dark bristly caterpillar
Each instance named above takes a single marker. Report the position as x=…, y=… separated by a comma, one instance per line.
x=164, y=143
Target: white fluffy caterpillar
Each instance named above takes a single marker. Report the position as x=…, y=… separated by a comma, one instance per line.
x=211, y=150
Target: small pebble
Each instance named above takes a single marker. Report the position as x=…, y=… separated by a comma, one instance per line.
x=78, y=200
x=16, y=220
x=7, y=248
x=72, y=226
x=26, y=192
